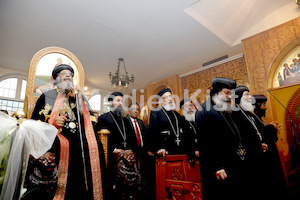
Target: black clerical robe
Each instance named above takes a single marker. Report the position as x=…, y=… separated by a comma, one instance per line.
x=270, y=168
x=119, y=134
x=118, y=138
x=222, y=139
x=75, y=188
x=192, y=138
x=168, y=132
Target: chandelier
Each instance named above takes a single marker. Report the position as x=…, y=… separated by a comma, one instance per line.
x=120, y=80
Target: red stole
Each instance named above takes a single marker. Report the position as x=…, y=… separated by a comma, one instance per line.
x=64, y=152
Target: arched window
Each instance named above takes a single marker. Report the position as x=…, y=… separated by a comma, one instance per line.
x=95, y=102
x=12, y=94
x=106, y=106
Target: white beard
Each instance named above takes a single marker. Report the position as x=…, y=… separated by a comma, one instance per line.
x=247, y=105
x=222, y=103
x=64, y=86
x=189, y=116
x=169, y=107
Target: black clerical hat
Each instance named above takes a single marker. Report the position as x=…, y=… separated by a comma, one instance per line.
x=219, y=83
x=113, y=95
x=259, y=98
x=239, y=92
x=161, y=92
x=184, y=101
x=59, y=68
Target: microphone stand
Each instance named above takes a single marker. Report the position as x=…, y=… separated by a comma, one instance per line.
x=81, y=140
x=292, y=126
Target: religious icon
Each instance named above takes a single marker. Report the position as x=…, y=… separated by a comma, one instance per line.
x=288, y=70
x=144, y=114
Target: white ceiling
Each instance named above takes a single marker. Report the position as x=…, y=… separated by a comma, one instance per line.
x=156, y=38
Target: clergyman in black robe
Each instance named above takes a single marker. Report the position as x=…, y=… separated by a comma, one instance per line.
x=63, y=172
x=188, y=112
x=118, y=139
x=271, y=164
x=166, y=127
x=224, y=144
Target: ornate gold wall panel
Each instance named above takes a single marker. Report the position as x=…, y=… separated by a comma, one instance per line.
x=261, y=51
x=235, y=69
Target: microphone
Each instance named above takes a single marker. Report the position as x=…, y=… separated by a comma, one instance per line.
x=291, y=121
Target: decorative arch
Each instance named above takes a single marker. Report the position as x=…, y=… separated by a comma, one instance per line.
x=172, y=82
x=30, y=99
x=277, y=60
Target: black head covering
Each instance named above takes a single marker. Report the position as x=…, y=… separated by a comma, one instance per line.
x=239, y=92
x=219, y=83
x=113, y=95
x=183, y=101
x=161, y=92
x=61, y=67
x=259, y=99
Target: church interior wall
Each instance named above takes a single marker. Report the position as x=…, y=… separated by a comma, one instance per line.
x=261, y=51
x=261, y=54
x=235, y=69
x=9, y=72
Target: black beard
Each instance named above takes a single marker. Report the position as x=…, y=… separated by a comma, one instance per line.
x=118, y=111
x=260, y=113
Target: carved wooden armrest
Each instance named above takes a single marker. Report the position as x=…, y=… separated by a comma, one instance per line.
x=103, y=136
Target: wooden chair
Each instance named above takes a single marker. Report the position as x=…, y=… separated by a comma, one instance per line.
x=103, y=135
x=176, y=179
x=40, y=71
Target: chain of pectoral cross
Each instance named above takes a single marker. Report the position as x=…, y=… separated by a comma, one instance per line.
x=172, y=126
x=121, y=132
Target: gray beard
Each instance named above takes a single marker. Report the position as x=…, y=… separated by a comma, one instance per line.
x=118, y=111
x=189, y=116
x=222, y=103
x=169, y=107
x=247, y=105
x=64, y=86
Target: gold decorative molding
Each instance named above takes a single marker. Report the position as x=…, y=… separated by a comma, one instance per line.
x=235, y=69
x=103, y=136
x=261, y=52
x=29, y=102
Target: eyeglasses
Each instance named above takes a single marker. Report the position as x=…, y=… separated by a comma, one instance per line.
x=66, y=73
x=166, y=97
x=135, y=109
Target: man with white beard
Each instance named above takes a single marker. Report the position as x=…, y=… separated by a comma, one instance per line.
x=188, y=111
x=166, y=127
x=270, y=164
x=223, y=143
x=63, y=172
x=244, y=103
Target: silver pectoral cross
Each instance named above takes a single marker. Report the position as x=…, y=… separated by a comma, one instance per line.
x=177, y=141
x=124, y=144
